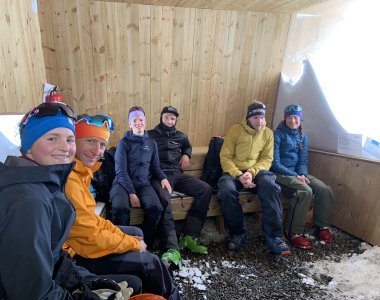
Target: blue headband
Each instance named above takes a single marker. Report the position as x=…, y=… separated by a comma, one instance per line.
x=37, y=127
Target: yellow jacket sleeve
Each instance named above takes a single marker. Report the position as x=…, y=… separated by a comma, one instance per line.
x=227, y=153
x=91, y=236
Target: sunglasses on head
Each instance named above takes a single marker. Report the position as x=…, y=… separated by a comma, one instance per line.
x=138, y=108
x=49, y=109
x=99, y=120
x=293, y=107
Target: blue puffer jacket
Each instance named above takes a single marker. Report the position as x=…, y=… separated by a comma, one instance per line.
x=35, y=219
x=288, y=160
x=136, y=160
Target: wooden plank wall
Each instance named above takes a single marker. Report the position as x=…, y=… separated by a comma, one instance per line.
x=22, y=67
x=356, y=192
x=210, y=64
x=276, y=6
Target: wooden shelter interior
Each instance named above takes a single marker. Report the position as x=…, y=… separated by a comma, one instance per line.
x=208, y=58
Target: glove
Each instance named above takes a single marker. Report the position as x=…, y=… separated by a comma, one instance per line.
x=104, y=284
x=98, y=290
x=106, y=289
x=124, y=293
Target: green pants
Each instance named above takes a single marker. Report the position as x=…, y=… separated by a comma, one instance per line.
x=316, y=191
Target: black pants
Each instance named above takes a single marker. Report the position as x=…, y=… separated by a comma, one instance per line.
x=154, y=224
x=192, y=187
x=145, y=265
x=268, y=192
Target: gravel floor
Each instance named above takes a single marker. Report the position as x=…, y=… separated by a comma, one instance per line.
x=254, y=273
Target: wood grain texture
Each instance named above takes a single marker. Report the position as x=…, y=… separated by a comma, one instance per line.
x=210, y=64
x=273, y=6
x=355, y=183
x=22, y=65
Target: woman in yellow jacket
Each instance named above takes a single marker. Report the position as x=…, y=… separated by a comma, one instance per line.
x=96, y=243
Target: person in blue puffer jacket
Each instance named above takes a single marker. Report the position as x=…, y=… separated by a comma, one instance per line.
x=136, y=162
x=290, y=165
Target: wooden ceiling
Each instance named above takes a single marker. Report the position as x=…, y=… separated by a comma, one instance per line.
x=270, y=6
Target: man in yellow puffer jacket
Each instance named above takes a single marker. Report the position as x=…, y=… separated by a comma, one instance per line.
x=96, y=243
x=246, y=157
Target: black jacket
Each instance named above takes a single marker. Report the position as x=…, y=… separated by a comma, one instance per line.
x=35, y=220
x=172, y=144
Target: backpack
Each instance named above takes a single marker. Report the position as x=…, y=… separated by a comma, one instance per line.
x=212, y=169
x=104, y=176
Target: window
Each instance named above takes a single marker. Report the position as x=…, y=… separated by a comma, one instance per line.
x=9, y=135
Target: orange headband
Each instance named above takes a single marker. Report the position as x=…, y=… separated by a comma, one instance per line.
x=84, y=129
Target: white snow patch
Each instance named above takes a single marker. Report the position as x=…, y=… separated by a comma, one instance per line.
x=232, y=265
x=196, y=276
x=247, y=276
x=353, y=277
x=306, y=279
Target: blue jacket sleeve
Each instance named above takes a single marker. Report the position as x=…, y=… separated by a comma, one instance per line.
x=155, y=169
x=121, y=167
x=26, y=258
x=277, y=167
x=301, y=167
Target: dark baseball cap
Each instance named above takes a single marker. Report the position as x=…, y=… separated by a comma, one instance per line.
x=171, y=110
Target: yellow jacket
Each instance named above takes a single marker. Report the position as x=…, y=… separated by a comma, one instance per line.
x=91, y=235
x=246, y=149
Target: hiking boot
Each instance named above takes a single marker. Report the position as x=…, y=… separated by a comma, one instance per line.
x=325, y=235
x=236, y=242
x=277, y=245
x=299, y=240
x=192, y=243
x=172, y=257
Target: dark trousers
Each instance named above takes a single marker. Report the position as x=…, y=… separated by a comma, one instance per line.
x=192, y=187
x=145, y=265
x=268, y=192
x=120, y=209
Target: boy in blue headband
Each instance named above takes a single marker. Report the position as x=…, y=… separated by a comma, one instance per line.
x=36, y=216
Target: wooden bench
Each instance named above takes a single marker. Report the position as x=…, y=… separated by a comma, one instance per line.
x=181, y=203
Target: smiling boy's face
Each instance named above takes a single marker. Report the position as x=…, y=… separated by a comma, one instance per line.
x=57, y=146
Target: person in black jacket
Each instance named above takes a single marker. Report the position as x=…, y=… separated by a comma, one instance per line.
x=36, y=216
x=174, y=150
x=136, y=162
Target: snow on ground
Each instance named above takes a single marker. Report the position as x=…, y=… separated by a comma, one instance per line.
x=352, y=277
x=355, y=276
x=198, y=276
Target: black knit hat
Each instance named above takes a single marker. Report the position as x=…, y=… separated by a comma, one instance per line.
x=256, y=109
x=171, y=110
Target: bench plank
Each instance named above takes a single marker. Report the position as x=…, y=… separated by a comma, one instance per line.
x=250, y=203
x=180, y=207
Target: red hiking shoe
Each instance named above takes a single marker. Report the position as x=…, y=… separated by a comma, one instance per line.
x=325, y=235
x=299, y=240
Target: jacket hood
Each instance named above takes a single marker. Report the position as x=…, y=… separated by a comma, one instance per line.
x=18, y=170
x=244, y=123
